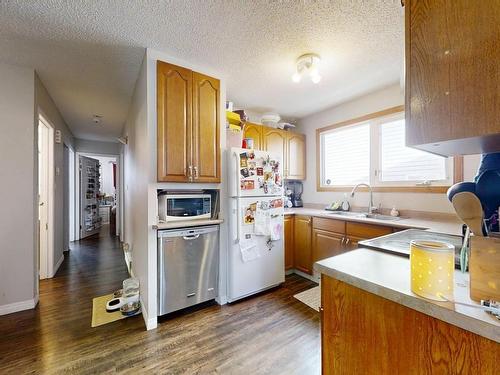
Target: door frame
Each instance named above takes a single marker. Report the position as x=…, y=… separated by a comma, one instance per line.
x=46, y=260
x=77, y=216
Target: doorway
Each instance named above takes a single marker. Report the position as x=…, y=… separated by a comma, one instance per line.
x=45, y=198
x=97, y=195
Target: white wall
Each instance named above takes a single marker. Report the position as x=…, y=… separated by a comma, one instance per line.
x=136, y=157
x=97, y=147
x=18, y=173
x=386, y=98
x=140, y=167
x=48, y=109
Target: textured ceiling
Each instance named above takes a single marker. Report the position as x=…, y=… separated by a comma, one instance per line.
x=88, y=53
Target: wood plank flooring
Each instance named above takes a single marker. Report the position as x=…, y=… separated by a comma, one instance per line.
x=272, y=333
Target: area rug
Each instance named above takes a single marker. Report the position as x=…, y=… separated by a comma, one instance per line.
x=311, y=297
x=99, y=314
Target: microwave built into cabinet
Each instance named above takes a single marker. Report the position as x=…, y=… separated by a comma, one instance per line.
x=179, y=207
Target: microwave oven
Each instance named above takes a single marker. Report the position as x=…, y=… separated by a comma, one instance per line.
x=181, y=207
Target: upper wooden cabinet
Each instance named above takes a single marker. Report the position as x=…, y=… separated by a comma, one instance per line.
x=296, y=156
x=452, y=76
x=206, y=132
x=188, y=135
x=275, y=142
x=254, y=131
x=290, y=146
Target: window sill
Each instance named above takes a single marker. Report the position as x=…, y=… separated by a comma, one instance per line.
x=388, y=189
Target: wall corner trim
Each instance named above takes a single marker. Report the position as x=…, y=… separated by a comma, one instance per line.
x=18, y=306
x=58, y=264
x=151, y=323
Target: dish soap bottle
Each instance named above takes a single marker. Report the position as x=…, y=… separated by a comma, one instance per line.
x=345, y=203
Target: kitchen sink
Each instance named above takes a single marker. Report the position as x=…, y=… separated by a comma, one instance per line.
x=362, y=215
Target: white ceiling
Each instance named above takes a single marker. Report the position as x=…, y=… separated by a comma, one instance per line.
x=88, y=53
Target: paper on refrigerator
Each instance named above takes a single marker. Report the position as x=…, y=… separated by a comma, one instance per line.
x=249, y=250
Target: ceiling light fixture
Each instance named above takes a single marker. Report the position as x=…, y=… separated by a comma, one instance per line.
x=307, y=63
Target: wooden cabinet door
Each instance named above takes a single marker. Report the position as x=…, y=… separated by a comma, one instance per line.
x=302, y=243
x=326, y=244
x=174, y=97
x=206, y=130
x=275, y=142
x=254, y=131
x=296, y=156
x=452, y=74
x=288, y=242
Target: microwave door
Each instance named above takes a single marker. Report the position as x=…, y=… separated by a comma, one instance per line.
x=188, y=208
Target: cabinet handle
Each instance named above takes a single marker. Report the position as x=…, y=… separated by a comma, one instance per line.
x=195, y=173
x=190, y=173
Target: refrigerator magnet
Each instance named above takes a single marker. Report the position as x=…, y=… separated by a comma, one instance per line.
x=247, y=185
x=243, y=160
x=244, y=172
x=260, y=171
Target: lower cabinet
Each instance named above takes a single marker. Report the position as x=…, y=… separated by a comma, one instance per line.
x=302, y=255
x=310, y=239
x=288, y=238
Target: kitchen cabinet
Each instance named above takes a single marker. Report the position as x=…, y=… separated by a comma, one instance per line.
x=452, y=76
x=206, y=132
x=295, y=156
x=255, y=132
x=290, y=146
x=302, y=254
x=288, y=238
x=358, y=327
x=356, y=232
x=328, y=238
x=188, y=143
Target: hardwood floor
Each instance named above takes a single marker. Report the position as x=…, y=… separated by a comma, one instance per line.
x=272, y=333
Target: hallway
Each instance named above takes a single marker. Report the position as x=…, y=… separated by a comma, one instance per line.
x=272, y=333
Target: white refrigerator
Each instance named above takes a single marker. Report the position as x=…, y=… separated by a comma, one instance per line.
x=256, y=250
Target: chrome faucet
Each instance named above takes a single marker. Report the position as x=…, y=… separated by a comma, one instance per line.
x=371, y=207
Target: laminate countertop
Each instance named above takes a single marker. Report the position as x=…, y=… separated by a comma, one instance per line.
x=440, y=223
x=388, y=276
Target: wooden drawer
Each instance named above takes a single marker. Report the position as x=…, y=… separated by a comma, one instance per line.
x=330, y=225
x=366, y=231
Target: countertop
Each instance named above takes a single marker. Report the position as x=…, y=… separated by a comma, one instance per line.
x=187, y=223
x=368, y=270
x=447, y=224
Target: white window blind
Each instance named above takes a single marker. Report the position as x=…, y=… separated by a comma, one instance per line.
x=346, y=155
x=399, y=163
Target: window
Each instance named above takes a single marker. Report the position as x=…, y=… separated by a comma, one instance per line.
x=373, y=151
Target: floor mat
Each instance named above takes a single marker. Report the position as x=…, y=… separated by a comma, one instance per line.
x=311, y=297
x=99, y=314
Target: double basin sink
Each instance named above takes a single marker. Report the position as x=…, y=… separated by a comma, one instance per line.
x=363, y=215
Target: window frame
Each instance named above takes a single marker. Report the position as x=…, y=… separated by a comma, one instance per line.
x=455, y=166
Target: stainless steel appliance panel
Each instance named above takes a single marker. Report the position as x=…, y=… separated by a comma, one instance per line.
x=188, y=264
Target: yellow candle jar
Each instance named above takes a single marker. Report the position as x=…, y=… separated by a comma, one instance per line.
x=432, y=268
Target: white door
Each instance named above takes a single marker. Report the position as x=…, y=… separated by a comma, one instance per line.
x=256, y=259
x=90, y=221
x=43, y=199
x=255, y=173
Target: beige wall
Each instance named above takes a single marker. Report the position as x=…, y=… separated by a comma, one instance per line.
x=388, y=97
x=49, y=111
x=18, y=160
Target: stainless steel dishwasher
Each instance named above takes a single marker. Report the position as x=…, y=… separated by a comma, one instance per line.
x=188, y=265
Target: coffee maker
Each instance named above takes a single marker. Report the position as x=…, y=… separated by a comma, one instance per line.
x=294, y=193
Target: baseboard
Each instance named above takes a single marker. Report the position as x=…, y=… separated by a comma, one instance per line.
x=151, y=323
x=18, y=306
x=313, y=277
x=58, y=264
